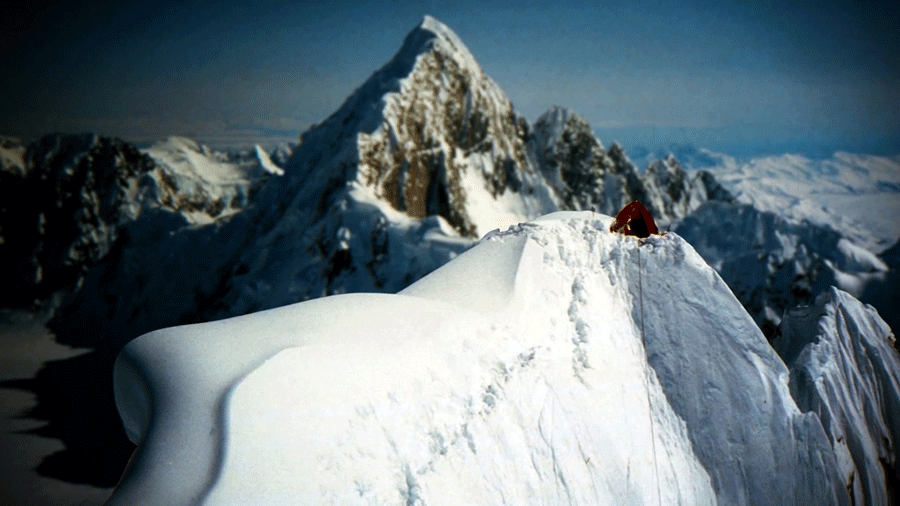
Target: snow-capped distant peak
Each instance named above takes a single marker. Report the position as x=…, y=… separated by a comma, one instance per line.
x=441, y=31
x=266, y=162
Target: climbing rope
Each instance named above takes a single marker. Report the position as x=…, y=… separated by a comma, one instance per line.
x=647, y=373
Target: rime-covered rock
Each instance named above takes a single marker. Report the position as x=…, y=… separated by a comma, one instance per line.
x=585, y=176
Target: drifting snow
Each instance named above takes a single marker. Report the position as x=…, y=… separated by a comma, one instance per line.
x=551, y=363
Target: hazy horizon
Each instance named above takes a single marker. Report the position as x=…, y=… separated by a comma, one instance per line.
x=767, y=77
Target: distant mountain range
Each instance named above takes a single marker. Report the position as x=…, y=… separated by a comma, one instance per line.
x=421, y=160
x=424, y=159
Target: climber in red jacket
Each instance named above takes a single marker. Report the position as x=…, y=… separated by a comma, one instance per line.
x=634, y=219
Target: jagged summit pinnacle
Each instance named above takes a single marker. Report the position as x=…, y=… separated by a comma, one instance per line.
x=441, y=31
x=362, y=111
x=428, y=36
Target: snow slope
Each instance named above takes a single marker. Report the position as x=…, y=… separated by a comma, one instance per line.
x=552, y=363
x=844, y=368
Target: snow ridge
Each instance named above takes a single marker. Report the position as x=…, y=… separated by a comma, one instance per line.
x=845, y=368
x=551, y=396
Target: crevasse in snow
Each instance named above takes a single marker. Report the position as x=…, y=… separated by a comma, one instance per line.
x=551, y=363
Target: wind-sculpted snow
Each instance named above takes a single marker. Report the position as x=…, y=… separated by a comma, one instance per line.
x=552, y=363
x=845, y=369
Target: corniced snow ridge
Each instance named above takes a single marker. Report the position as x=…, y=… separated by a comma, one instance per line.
x=555, y=362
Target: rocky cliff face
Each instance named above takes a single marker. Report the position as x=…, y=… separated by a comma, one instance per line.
x=422, y=159
x=585, y=176
x=63, y=204
x=89, y=196
x=430, y=134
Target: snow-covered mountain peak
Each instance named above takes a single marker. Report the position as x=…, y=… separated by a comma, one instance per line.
x=441, y=38
x=558, y=121
x=430, y=134
x=204, y=185
x=614, y=366
x=187, y=157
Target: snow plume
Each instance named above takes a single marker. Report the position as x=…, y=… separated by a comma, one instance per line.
x=845, y=369
x=555, y=362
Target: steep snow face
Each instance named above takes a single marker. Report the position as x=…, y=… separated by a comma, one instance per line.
x=884, y=294
x=358, y=243
x=845, y=369
x=431, y=134
x=204, y=185
x=773, y=264
x=552, y=363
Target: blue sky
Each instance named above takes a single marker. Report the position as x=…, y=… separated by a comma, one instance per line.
x=754, y=76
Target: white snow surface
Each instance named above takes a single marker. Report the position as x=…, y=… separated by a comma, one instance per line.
x=551, y=363
x=203, y=184
x=857, y=195
x=845, y=369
